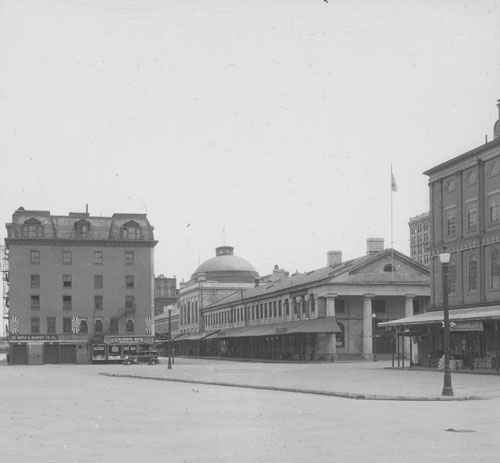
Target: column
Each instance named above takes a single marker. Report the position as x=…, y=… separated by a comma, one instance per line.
x=367, y=327
x=330, y=305
x=407, y=339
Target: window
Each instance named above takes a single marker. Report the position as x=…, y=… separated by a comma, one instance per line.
x=450, y=186
x=35, y=302
x=84, y=327
x=472, y=273
x=129, y=282
x=32, y=228
x=471, y=178
x=287, y=307
x=66, y=257
x=495, y=268
x=98, y=325
x=34, y=257
x=129, y=257
x=494, y=207
x=451, y=220
x=304, y=307
x=471, y=215
x=98, y=281
x=378, y=305
x=35, y=281
x=452, y=277
x=67, y=325
x=280, y=313
x=494, y=170
x=130, y=303
x=388, y=268
x=66, y=302
x=339, y=306
x=98, y=302
x=129, y=326
x=98, y=258
x=131, y=231
x=113, y=326
x=67, y=280
x=35, y=325
x=275, y=312
x=51, y=325
x=82, y=228
x=340, y=337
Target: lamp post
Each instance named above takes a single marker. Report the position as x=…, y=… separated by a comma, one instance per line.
x=447, y=387
x=169, y=339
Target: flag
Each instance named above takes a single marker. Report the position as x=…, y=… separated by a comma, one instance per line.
x=394, y=187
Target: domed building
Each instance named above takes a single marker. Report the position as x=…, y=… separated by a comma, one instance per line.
x=213, y=280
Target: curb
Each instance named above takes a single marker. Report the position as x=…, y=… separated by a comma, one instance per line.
x=344, y=395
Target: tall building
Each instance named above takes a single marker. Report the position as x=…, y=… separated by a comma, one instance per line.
x=420, y=238
x=465, y=222
x=81, y=287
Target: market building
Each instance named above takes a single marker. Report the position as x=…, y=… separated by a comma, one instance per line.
x=465, y=222
x=317, y=315
x=80, y=287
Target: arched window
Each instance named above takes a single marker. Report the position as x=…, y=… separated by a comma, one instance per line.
x=452, y=277
x=471, y=178
x=98, y=325
x=340, y=337
x=450, y=186
x=495, y=268
x=131, y=230
x=32, y=228
x=388, y=268
x=472, y=273
x=494, y=169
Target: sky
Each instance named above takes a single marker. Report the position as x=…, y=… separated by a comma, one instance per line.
x=270, y=126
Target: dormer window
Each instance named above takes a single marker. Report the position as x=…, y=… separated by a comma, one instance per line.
x=32, y=228
x=82, y=228
x=131, y=230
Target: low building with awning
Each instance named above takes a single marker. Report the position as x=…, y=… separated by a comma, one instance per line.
x=316, y=315
x=474, y=336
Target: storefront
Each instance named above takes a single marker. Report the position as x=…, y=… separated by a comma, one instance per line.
x=474, y=337
x=114, y=349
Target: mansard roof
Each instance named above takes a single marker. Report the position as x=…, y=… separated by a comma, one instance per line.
x=65, y=226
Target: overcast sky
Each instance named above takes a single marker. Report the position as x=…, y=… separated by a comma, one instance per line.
x=268, y=125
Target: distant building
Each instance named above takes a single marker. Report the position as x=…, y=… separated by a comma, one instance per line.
x=420, y=238
x=315, y=315
x=278, y=274
x=165, y=293
x=80, y=287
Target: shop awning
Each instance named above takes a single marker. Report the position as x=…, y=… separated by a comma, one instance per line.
x=436, y=316
x=318, y=325
x=181, y=337
x=199, y=335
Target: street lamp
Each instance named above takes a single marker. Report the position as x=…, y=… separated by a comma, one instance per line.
x=169, y=339
x=447, y=387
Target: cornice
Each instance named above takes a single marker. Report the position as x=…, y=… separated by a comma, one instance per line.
x=83, y=243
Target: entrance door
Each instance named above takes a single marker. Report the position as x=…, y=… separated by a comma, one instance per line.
x=68, y=353
x=51, y=353
x=19, y=352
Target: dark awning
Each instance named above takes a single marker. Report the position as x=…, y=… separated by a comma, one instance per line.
x=199, y=335
x=318, y=325
x=436, y=316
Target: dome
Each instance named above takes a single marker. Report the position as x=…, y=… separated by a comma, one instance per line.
x=225, y=266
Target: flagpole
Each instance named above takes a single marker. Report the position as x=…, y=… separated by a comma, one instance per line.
x=392, y=216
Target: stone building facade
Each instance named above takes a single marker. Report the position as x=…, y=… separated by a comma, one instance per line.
x=81, y=287
x=420, y=238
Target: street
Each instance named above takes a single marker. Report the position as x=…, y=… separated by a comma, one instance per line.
x=71, y=413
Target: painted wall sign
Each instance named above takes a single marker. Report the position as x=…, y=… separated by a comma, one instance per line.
x=33, y=337
x=128, y=339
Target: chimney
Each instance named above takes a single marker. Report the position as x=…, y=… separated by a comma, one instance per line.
x=333, y=258
x=256, y=282
x=496, y=128
x=374, y=245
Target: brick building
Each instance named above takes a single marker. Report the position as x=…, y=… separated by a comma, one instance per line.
x=465, y=222
x=80, y=287
x=165, y=293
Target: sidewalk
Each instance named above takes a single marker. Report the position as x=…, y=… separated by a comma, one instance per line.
x=355, y=380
